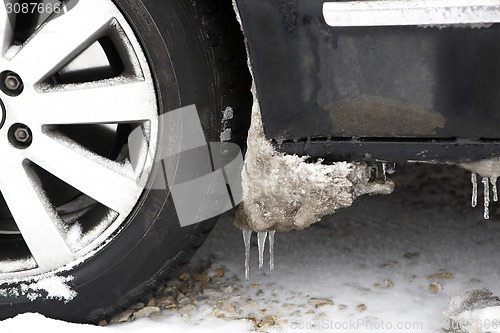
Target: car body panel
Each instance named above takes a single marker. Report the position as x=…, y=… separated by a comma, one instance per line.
x=433, y=88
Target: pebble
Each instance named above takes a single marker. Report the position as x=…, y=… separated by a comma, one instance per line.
x=122, y=317
x=361, y=308
x=342, y=307
x=249, y=305
x=168, y=300
x=317, y=302
x=211, y=292
x=435, y=287
x=184, y=276
x=186, y=310
x=385, y=284
x=184, y=301
x=475, y=280
x=200, y=277
x=226, y=289
x=260, y=293
x=412, y=255
x=172, y=307
x=445, y=275
x=145, y=312
x=266, y=322
x=228, y=308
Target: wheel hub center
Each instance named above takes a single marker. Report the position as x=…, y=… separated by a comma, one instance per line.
x=2, y=114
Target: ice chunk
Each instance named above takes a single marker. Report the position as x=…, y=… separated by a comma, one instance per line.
x=247, y=235
x=486, y=187
x=271, y=249
x=283, y=192
x=261, y=243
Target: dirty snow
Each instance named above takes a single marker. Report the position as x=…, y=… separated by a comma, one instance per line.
x=485, y=168
x=489, y=170
x=283, y=192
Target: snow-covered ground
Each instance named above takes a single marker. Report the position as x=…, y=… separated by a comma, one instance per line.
x=388, y=263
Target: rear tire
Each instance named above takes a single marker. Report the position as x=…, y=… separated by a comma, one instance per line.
x=196, y=55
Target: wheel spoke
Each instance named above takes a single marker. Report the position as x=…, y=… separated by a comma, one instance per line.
x=6, y=27
x=108, y=104
x=61, y=39
x=103, y=180
x=38, y=223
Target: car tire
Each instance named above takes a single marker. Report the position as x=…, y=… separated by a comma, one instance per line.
x=195, y=54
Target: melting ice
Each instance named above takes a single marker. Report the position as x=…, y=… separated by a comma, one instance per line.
x=489, y=170
x=261, y=243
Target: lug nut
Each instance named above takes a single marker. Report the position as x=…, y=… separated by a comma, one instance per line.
x=12, y=82
x=22, y=134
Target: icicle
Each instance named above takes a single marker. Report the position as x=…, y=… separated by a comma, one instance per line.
x=271, y=249
x=280, y=142
x=390, y=168
x=247, y=235
x=494, y=188
x=384, y=165
x=261, y=242
x=474, y=189
x=486, y=183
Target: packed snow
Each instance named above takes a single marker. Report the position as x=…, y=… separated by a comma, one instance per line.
x=386, y=261
x=283, y=192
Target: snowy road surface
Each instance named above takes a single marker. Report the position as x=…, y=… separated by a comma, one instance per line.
x=389, y=263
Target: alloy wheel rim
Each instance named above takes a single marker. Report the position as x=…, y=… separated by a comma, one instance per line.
x=55, y=235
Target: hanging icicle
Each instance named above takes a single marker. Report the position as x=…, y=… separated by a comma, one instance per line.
x=474, y=189
x=271, y=249
x=486, y=185
x=494, y=188
x=261, y=243
x=247, y=235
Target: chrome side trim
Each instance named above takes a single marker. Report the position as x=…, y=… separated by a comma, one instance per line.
x=411, y=12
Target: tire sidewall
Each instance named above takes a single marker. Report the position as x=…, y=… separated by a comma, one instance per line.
x=151, y=241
